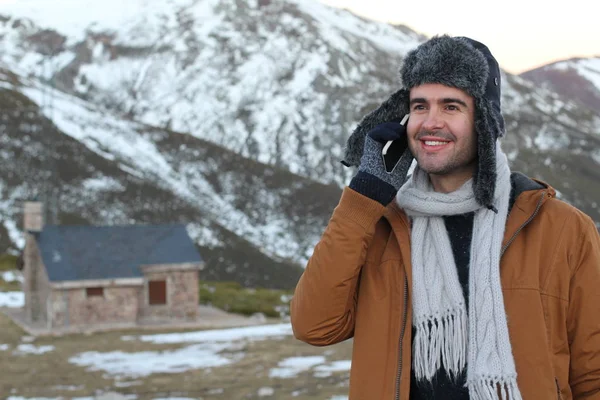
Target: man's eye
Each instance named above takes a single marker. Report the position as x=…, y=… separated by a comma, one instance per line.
x=418, y=107
x=450, y=107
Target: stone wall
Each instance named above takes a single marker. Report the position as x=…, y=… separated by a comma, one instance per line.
x=72, y=307
x=59, y=308
x=182, y=296
x=69, y=307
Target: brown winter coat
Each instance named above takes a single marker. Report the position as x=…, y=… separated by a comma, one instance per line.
x=357, y=285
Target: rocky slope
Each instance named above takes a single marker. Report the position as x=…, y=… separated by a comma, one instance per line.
x=577, y=79
x=254, y=223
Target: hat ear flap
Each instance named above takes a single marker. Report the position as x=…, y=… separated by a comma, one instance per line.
x=487, y=128
x=394, y=108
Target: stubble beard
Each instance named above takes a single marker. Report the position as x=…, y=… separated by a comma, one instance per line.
x=463, y=159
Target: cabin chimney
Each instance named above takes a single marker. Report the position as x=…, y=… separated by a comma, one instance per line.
x=32, y=216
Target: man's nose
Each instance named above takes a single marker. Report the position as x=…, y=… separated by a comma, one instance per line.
x=433, y=121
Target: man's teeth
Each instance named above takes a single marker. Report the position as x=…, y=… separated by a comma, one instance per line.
x=434, y=143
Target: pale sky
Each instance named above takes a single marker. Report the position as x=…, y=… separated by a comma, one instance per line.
x=521, y=34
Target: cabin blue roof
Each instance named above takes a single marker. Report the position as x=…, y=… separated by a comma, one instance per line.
x=111, y=252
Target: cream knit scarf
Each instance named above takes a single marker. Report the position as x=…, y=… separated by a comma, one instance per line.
x=439, y=311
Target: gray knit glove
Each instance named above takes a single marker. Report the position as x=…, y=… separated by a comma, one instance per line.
x=379, y=177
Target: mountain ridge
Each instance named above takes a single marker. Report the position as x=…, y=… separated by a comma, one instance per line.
x=575, y=78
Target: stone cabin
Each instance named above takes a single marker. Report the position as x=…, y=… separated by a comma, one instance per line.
x=78, y=276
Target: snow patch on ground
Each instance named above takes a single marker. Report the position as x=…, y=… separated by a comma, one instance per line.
x=218, y=335
x=291, y=367
x=128, y=397
x=323, y=371
x=12, y=276
x=23, y=349
x=205, y=353
x=146, y=363
x=12, y=299
x=266, y=392
x=173, y=398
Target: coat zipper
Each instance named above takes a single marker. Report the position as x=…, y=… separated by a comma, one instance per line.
x=531, y=217
x=558, y=389
x=402, y=330
x=405, y=310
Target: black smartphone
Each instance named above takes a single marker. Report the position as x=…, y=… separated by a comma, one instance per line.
x=393, y=150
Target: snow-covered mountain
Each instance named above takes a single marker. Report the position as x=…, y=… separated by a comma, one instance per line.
x=229, y=114
x=281, y=82
x=577, y=79
x=254, y=223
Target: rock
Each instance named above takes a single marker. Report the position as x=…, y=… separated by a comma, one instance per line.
x=259, y=318
x=111, y=396
x=266, y=391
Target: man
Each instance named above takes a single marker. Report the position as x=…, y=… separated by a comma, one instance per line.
x=465, y=281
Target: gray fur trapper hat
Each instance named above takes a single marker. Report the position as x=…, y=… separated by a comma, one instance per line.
x=458, y=62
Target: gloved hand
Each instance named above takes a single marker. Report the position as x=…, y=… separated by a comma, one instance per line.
x=379, y=177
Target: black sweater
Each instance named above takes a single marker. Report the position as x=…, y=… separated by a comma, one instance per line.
x=460, y=229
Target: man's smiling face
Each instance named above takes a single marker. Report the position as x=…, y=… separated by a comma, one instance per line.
x=441, y=130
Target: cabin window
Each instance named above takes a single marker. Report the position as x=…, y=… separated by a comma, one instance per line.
x=157, y=292
x=94, y=292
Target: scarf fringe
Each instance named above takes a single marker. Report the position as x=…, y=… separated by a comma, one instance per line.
x=494, y=389
x=443, y=337
x=441, y=341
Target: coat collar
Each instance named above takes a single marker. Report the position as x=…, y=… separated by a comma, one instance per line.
x=527, y=197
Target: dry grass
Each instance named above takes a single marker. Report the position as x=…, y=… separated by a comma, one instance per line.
x=232, y=297
x=8, y=262
x=51, y=374
x=9, y=286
